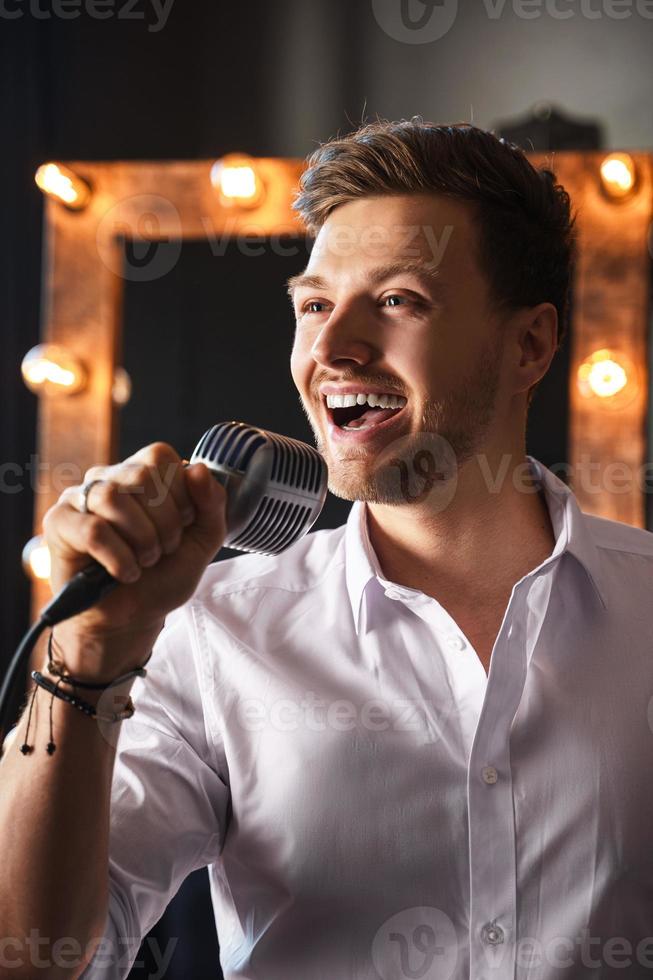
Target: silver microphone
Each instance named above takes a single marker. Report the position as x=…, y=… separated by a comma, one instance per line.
x=276, y=486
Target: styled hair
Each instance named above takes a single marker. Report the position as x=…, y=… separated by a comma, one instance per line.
x=523, y=216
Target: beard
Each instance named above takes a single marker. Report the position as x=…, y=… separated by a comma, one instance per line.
x=425, y=463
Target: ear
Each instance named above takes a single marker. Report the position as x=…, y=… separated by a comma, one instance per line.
x=536, y=334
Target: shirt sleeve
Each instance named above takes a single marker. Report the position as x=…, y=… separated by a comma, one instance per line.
x=169, y=799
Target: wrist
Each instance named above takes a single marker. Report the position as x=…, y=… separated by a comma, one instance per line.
x=93, y=659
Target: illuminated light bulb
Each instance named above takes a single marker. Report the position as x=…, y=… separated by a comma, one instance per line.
x=52, y=370
x=122, y=387
x=604, y=374
x=36, y=559
x=618, y=175
x=59, y=182
x=237, y=181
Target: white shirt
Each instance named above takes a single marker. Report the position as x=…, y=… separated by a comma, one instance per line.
x=370, y=804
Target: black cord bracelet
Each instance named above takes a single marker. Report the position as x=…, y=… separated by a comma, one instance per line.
x=88, y=709
x=65, y=678
x=56, y=691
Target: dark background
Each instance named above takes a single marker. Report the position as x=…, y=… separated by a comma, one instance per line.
x=269, y=78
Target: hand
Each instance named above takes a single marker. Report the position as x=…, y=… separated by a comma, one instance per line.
x=154, y=525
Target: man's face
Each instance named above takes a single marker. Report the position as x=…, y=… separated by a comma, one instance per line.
x=393, y=301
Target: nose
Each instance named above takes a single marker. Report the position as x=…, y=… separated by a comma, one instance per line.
x=344, y=338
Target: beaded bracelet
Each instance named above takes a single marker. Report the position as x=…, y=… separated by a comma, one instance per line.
x=58, y=671
x=88, y=709
x=84, y=706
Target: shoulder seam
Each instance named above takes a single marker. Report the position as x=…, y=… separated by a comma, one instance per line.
x=601, y=529
x=249, y=586
x=625, y=549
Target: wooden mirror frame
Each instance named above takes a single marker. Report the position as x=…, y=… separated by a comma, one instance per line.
x=83, y=284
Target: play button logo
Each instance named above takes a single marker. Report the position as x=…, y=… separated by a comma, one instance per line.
x=415, y=21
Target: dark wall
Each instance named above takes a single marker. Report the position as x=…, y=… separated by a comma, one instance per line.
x=20, y=217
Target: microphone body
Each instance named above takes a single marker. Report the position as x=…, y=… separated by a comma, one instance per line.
x=276, y=488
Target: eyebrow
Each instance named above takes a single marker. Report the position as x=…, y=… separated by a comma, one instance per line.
x=420, y=269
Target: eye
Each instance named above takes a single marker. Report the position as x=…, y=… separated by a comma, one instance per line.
x=396, y=297
x=308, y=307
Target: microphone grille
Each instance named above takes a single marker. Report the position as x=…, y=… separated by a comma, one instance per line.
x=230, y=445
x=295, y=463
x=275, y=525
x=276, y=486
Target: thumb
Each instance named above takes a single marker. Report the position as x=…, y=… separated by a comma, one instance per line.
x=210, y=501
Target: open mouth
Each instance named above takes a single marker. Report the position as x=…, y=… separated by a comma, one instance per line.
x=361, y=416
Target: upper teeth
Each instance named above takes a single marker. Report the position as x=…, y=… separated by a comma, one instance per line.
x=375, y=401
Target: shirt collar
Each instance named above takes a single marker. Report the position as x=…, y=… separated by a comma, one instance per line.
x=570, y=529
x=361, y=564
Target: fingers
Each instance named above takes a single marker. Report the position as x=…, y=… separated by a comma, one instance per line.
x=89, y=534
x=146, y=498
x=147, y=489
x=122, y=510
x=199, y=498
x=162, y=471
x=138, y=512
x=210, y=501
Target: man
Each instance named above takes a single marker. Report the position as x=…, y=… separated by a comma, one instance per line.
x=409, y=747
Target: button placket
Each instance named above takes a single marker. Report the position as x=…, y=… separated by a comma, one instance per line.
x=490, y=800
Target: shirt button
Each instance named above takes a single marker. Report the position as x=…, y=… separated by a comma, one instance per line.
x=489, y=774
x=456, y=642
x=492, y=934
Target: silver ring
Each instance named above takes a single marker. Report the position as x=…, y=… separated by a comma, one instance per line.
x=86, y=489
